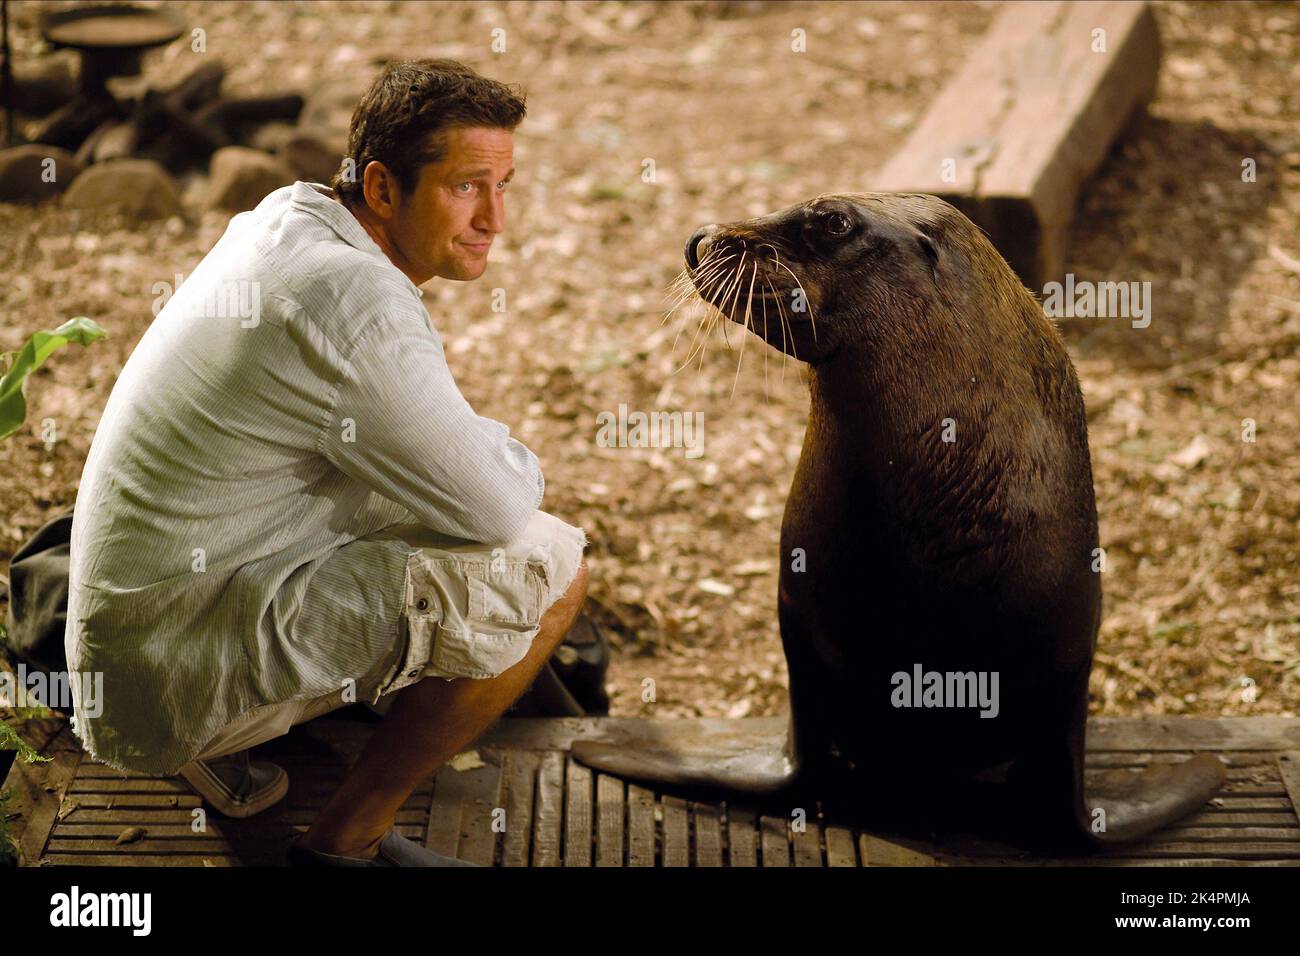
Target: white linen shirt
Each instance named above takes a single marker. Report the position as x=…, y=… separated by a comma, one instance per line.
x=291, y=398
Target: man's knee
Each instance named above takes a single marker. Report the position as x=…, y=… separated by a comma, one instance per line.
x=568, y=604
x=578, y=589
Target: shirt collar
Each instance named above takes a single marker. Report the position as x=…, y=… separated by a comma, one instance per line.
x=315, y=199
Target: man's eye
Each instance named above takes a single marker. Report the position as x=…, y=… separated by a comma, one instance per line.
x=468, y=187
x=503, y=184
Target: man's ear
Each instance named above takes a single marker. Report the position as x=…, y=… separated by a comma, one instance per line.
x=380, y=189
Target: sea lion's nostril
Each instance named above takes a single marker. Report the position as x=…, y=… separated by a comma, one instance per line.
x=692, y=247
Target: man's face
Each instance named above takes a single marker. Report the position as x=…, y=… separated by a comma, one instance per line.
x=446, y=225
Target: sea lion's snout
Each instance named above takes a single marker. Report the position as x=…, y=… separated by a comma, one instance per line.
x=754, y=272
x=698, y=245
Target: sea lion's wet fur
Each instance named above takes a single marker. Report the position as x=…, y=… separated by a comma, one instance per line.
x=969, y=555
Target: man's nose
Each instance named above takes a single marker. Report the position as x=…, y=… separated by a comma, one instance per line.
x=491, y=215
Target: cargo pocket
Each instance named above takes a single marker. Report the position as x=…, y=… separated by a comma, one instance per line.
x=504, y=611
x=479, y=654
x=507, y=591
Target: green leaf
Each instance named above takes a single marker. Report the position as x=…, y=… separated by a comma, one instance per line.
x=42, y=344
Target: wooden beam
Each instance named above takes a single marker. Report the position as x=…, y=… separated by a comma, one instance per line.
x=1027, y=119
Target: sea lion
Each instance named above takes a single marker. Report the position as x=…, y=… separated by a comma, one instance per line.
x=941, y=520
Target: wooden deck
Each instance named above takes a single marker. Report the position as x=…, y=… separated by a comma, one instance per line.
x=75, y=810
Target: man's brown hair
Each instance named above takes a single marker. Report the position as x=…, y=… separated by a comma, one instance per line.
x=409, y=102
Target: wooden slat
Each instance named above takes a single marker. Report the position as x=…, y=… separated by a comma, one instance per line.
x=578, y=815
x=482, y=796
x=519, y=768
x=841, y=848
x=549, y=817
x=1253, y=789
x=1222, y=818
x=775, y=841
x=442, y=832
x=1228, y=849
x=1177, y=833
x=1288, y=768
x=1106, y=759
x=742, y=837
x=1212, y=734
x=878, y=852
x=677, y=832
x=114, y=859
x=154, y=828
x=708, y=834
x=1242, y=804
x=142, y=847
x=144, y=802
x=640, y=826
x=807, y=844
x=609, y=820
x=460, y=813
x=140, y=785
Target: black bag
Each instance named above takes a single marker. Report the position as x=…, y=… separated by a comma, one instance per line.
x=37, y=612
x=571, y=684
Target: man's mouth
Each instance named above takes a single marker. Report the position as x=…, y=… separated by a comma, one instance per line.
x=480, y=247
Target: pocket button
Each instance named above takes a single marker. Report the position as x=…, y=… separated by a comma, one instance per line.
x=422, y=604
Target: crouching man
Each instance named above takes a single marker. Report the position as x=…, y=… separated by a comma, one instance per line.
x=289, y=506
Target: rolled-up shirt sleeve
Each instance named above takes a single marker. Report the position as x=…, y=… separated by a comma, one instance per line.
x=401, y=426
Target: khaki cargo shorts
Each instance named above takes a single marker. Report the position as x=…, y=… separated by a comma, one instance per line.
x=470, y=610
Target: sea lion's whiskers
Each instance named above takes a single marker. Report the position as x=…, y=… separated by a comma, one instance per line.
x=719, y=278
x=703, y=277
x=736, y=282
x=784, y=323
x=688, y=283
x=704, y=317
x=749, y=304
x=686, y=290
x=768, y=283
x=808, y=302
x=730, y=292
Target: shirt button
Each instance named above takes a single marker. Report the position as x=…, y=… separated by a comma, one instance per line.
x=422, y=604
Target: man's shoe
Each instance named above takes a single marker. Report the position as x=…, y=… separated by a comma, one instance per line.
x=394, y=850
x=235, y=785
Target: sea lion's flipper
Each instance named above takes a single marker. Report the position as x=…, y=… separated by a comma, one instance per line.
x=739, y=764
x=742, y=762
x=1114, y=806
x=1124, y=805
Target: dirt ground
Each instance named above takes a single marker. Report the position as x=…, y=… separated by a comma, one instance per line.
x=1200, y=527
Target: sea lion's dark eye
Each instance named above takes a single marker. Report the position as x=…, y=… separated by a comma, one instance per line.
x=838, y=224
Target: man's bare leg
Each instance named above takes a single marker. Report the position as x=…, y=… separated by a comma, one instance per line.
x=430, y=722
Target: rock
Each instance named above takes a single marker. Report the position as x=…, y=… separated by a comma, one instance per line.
x=28, y=176
x=313, y=156
x=194, y=188
x=138, y=187
x=42, y=86
x=271, y=136
x=111, y=140
x=330, y=106
x=241, y=178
